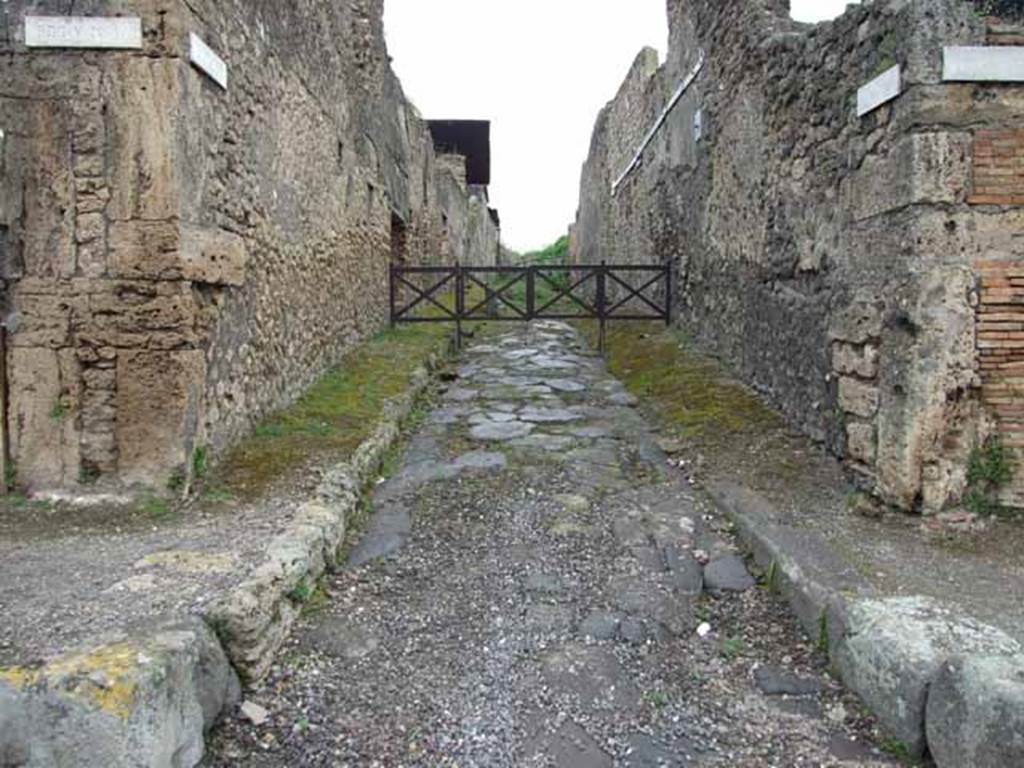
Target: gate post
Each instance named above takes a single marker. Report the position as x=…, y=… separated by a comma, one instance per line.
x=601, y=306
x=392, y=293
x=531, y=295
x=460, y=303
x=668, y=293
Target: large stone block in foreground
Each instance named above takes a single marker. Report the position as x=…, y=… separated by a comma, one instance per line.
x=976, y=712
x=895, y=648
x=142, y=703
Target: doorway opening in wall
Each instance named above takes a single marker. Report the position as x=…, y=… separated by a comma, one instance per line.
x=399, y=241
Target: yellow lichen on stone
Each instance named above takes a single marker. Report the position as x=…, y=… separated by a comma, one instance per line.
x=19, y=677
x=117, y=663
x=105, y=678
x=186, y=561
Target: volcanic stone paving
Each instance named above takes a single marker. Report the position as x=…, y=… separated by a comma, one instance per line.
x=530, y=591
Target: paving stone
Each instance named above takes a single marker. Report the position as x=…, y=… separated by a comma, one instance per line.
x=776, y=681
x=481, y=460
x=501, y=432
x=573, y=502
x=623, y=398
x=461, y=394
x=552, y=363
x=687, y=573
x=645, y=752
x=520, y=354
x=548, y=415
x=339, y=636
x=565, y=385
x=447, y=416
x=549, y=619
x=601, y=625
x=570, y=747
x=548, y=583
x=843, y=748
x=388, y=532
x=592, y=676
x=542, y=441
x=495, y=417
x=632, y=630
x=728, y=574
x=652, y=599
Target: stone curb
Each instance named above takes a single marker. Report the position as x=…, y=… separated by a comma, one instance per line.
x=141, y=702
x=147, y=702
x=940, y=682
x=254, y=619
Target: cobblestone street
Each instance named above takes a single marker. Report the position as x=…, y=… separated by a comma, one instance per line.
x=537, y=586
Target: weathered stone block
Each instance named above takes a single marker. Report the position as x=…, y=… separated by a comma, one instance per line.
x=144, y=93
x=44, y=389
x=145, y=249
x=854, y=360
x=43, y=320
x=975, y=713
x=923, y=168
x=857, y=323
x=142, y=703
x=141, y=315
x=858, y=398
x=158, y=408
x=89, y=227
x=893, y=650
x=860, y=443
x=214, y=257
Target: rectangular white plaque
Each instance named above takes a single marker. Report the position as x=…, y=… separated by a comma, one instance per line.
x=207, y=61
x=883, y=89
x=983, y=64
x=83, y=32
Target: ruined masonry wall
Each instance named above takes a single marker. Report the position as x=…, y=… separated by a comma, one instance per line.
x=178, y=259
x=829, y=259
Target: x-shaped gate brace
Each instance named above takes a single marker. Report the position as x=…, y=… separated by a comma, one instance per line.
x=585, y=289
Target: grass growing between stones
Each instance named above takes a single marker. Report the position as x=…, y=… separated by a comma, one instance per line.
x=689, y=394
x=337, y=413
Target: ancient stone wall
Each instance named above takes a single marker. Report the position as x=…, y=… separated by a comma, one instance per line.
x=180, y=258
x=827, y=257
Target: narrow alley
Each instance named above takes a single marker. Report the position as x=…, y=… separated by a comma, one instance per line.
x=529, y=591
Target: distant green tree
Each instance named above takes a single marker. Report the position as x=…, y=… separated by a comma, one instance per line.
x=1008, y=9
x=556, y=253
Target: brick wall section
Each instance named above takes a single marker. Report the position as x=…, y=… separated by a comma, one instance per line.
x=998, y=168
x=1001, y=353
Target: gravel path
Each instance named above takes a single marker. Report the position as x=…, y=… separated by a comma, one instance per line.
x=530, y=591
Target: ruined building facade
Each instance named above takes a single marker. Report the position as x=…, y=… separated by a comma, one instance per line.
x=853, y=254
x=197, y=213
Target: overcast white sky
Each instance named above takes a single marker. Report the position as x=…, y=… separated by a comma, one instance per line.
x=539, y=70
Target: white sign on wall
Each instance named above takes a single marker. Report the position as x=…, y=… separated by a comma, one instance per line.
x=994, y=63
x=206, y=61
x=883, y=89
x=83, y=32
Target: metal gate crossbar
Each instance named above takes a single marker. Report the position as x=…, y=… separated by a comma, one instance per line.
x=567, y=293
x=496, y=293
x=421, y=295
x=636, y=293
x=594, y=303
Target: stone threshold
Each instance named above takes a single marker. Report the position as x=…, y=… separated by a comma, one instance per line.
x=941, y=682
x=150, y=699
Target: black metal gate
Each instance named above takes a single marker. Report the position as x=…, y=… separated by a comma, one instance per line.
x=601, y=292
